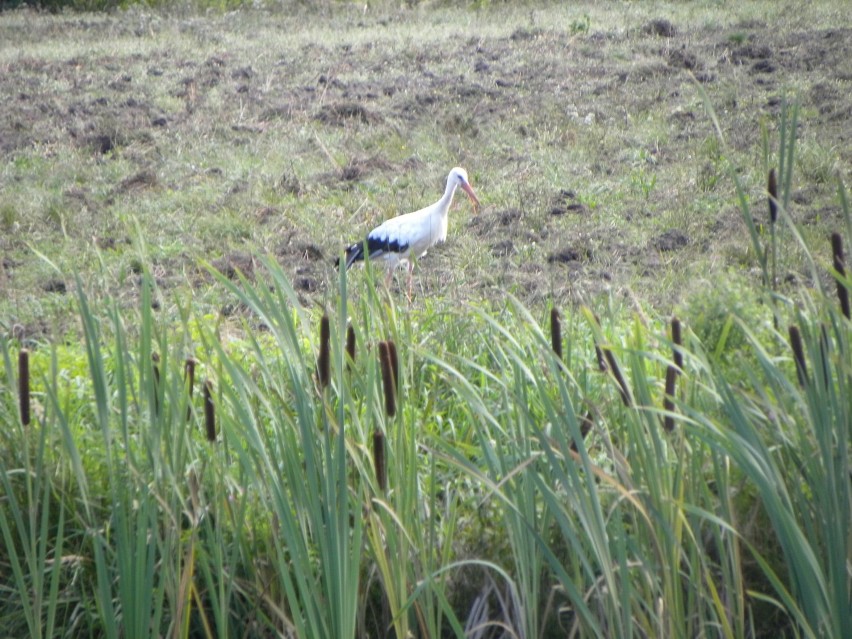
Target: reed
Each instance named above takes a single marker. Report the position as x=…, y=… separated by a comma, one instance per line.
x=840, y=269
x=324, y=357
x=24, y=386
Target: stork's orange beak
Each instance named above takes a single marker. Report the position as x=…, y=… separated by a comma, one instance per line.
x=469, y=190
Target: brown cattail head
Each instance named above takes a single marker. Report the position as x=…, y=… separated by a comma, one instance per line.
x=668, y=403
x=189, y=374
x=189, y=381
x=394, y=361
x=155, y=369
x=556, y=333
x=324, y=359
x=772, y=188
x=209, y=411
x=798, y=354
x=387, y=379
x=24, y=385
x=379, y=459
x=840, y=267
x=350, y=343
x=677, y=340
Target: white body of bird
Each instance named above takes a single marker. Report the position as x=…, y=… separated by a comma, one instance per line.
x=400, y=238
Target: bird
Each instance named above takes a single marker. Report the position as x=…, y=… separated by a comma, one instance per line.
x=397, y=240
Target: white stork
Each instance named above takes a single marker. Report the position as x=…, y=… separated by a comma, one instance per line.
x=396, y=240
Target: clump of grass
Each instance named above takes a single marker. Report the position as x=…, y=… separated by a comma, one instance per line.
x=8, y=216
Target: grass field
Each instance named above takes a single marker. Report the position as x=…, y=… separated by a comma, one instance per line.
x=530, y=447
x=143, y=138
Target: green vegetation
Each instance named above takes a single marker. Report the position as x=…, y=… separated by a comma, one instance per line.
x=210, y=432
x=518, y=489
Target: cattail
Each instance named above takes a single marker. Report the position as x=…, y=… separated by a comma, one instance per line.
x=677, y=340
x=155, y=369
x=24, y=385
x=209, y=411
x=189, y=380
x=394, y=361
x=798, y=354
x=619, y=377
x=601, y=361
x=324, y=359
x=839, y=266
x=556, y=333
x=379, y=459
x=350, y=344
x=668, y=403
x=772, y=187
x=387, y=379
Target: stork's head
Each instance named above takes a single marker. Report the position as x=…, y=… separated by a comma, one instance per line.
x=458, y=177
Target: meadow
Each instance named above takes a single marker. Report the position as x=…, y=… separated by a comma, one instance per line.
x=618, y=404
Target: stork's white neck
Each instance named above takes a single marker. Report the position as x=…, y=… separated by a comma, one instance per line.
x=444, y=203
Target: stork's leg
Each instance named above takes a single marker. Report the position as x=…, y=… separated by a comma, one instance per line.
x=410, y=280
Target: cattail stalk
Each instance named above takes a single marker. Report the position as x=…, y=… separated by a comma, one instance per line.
x=825, y=357
x=324, y=359
x=189, y=381
x=209, y=411
x=387, y=379
x=600, y=357
x=379, y=459
x=24, y=385
x=619, y=377
x=556, y=333
x=668, y=399
x=155, y=370
x=772, y=188
x=394, y=361
x=599, y=352
x=677, y=340
x=840, y=267
x=350, y=344
x=672, y=371
x=798, y=354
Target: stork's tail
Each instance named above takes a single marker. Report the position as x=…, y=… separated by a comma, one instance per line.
x=354, y=253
